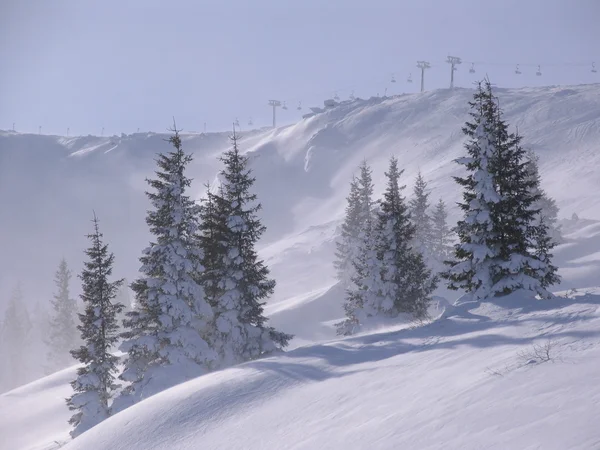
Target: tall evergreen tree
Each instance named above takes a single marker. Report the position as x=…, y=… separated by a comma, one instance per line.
x=95, y=383
x=360, y=249
x=494, y=256
x=419, y=206
x=212, y=237
x=243, y=281
x=402, y=283
x=441, y=234
x=168, y=334
x=15, y=342
x=63, y=321
x=347, y=243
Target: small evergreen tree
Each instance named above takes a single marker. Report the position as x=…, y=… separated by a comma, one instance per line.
x=63, y=321
x=15, y=341
x=360, y=250
x=243, y=281
x=543, y=243
x=441, y=235
x=95, y=383
x=545, y=204
x=168, y=334
x=419, y=206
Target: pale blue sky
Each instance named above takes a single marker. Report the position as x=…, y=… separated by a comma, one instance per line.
x=128, y=64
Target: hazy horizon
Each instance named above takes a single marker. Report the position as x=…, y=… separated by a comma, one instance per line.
x=135, y=64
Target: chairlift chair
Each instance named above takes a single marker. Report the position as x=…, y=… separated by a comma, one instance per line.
x=594, y=68
x=250, y=123
x=517, y=71
x=299, y=108
x=393, y=80
x=472, y=69
x=352, y=97
x=539, y=71
x=336, y=97
x=409, y=79
x=284, y=107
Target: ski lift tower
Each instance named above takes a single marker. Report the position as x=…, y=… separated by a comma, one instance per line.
x=423, y=65
x=453, y=61
x=274, y=104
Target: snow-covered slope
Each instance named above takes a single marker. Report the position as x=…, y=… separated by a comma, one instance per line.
x=469, y=381
x=302, y=174
x=389, y=389
x=34, y=416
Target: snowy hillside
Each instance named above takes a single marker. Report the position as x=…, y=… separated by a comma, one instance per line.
x=471, y=380
x=302, y=171
x=388, y=388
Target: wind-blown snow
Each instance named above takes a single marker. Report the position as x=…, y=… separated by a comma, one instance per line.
x=409, y=389
x=464, y=382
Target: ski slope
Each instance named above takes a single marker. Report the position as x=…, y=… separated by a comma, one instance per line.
x=303, y=171
x=458, y=381
x=466, y=381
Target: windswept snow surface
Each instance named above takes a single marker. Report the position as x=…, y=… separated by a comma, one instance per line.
x=303, y=171
x=458, y=383
x=34, y=416
x=468, y=381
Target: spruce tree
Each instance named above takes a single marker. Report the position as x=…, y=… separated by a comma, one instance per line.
x=15, y=341
x=212, y=238
x=419, y=206
x=545, y=204
x=168, y=335
x=441, y=233
x=360, y=250
x=495, y=255
x=243, y=279
x=95, y=383
x=476, y=257
x=348, y=241
x=401, y=282
x=63, y=321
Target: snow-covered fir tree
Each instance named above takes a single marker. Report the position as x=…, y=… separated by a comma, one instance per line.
x=243, y=281
x=495, y=255
x=441, y=235
x=15, y=342
x=95, y=383
x=64, y=336
x=212, y=237
x=347, y=242
x=401, y=281
x=360, y=249
x=419, y=207
x=168, y=335
x=125, y=298
x=543, y=243
x=545, y=204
